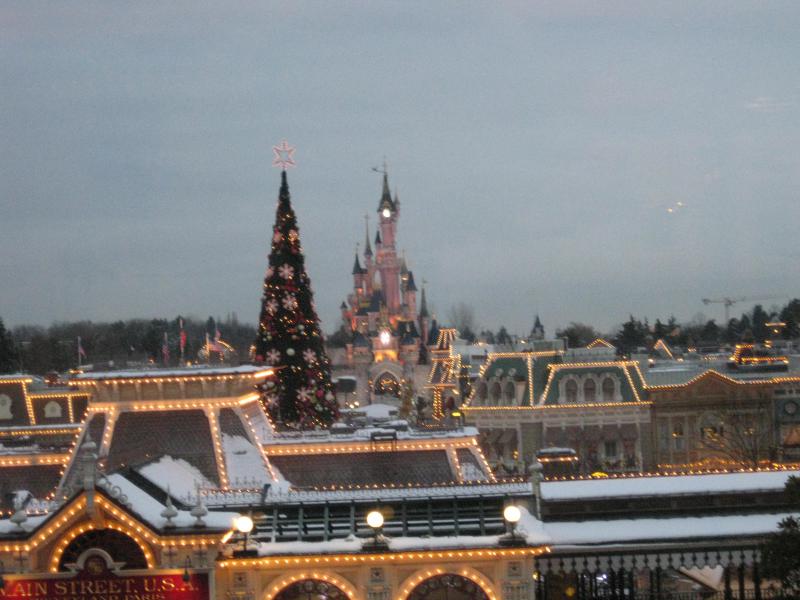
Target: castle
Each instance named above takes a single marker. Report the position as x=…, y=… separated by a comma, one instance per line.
x=389, y=331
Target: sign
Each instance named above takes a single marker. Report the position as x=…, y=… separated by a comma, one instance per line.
x=97, y=582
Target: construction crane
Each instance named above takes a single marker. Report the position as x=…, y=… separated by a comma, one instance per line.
x=728, y=302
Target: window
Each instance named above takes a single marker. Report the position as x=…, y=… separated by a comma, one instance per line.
x=571, y=389
x=663, y=437
x=510, y=392
x=677, y=435
x=609, y=391
x=610, y=449
x=52, y=410
x=589, y=390
x=496, y=392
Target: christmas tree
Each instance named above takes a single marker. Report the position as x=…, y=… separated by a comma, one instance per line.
x=289, y=334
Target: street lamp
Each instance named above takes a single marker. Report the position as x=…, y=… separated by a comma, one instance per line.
x=378, y=541
x=512, y=514
x=244, y=525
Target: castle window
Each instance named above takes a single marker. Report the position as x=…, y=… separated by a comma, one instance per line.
x=571, y=389
x=608, y=390
x=589, y=391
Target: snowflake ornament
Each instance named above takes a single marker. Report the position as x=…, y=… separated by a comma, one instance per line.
x=273, y=357
x=309, y=356
x=272, y=306
x=277, y=237
x=270, y=272
x=304, y=394
x=289, y=302
x=286, y=271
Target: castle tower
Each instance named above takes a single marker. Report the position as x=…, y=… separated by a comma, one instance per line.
x=388, y=263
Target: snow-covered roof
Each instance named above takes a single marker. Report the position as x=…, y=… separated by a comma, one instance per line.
x=665, y=485
x=177, y=476
x=617, y=531
x=364, y=434
x=203, y=370
x=149, y=509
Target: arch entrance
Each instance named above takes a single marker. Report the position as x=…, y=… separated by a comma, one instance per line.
x=311, y=589
x=448, y=586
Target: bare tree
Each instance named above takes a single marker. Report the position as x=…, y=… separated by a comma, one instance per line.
x=462, y=317
x=743, y=438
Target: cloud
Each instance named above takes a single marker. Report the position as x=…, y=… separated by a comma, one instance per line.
x=767, y=104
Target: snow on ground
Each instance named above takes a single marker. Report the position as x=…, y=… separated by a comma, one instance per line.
x=175, y=475
x=244, y=462
x=379, y=412
x=666, y=485
x=672, y=528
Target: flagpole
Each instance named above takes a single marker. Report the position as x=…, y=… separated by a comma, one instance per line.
x=182, y=340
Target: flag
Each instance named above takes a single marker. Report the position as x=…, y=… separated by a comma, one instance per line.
x=183, y=337
x=81, y=351
x=165, y=349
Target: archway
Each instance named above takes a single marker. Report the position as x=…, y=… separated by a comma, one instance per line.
x=117, y=545
x=387, y=385
x=448, y=586
x=311, y=586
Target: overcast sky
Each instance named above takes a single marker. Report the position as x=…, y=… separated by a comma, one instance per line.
x=537, y=147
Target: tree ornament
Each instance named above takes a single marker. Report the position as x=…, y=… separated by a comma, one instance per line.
x=289, y=302
x=272, y=306
x=290, y=352
x=286, y=271
x=309, y=356
x=273, y=357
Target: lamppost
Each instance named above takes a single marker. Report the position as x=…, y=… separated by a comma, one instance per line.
x=378, y=543
x=244, y=525
x=512, y=515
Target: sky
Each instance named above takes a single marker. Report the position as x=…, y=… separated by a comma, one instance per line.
x=578, y=160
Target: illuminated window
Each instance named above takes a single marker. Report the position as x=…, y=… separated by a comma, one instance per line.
x=677, y=435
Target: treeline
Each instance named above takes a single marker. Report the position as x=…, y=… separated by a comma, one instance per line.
x=36, y=349
x=750, y=327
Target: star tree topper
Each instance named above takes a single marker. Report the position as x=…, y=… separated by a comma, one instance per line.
x=283, y=156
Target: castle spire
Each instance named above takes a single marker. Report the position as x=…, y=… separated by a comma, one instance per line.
x=423, y=304
x=367, y=247
x=386, y=202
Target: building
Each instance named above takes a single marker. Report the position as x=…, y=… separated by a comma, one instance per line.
x=580, y=399
x=38, y=426
x=156, y=505
x=388, y=326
